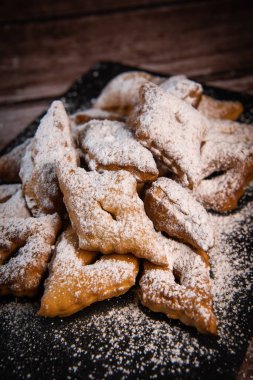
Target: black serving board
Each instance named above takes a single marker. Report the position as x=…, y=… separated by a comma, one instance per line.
x=118, y=338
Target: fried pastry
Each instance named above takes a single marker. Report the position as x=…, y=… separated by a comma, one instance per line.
x=175, y=211
x=183, y=88
x=82, y=117
x=220, y=109
x=172, y=129
x=10, y=163
x=7, y=191
x=163, y=123
x=181, y=290
x=228, y=152
x=110, y=145
x=192, y=92
x=107, y=214
x=76, y=280
x=122, y=93
x=29, y=241
x=52, y=144
x=15, y=207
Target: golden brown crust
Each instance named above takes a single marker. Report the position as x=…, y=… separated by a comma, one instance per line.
x=76, y=279
x=190, y=300
x=31, y=240
x=220, y=109
x=194, y=147
x=82, y=117
x=184, y=89
x=228, y=151
x=122, y=92
x=175, y=211
x=51, y=144
x=107, y=214
x=10, y=163
x=110, y=145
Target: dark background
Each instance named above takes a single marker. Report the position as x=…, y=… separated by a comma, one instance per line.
x=46, y=45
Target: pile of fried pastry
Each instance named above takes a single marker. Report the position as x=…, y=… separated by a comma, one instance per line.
x=123, y=189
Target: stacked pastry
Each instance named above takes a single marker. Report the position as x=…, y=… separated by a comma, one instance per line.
x=129, y=181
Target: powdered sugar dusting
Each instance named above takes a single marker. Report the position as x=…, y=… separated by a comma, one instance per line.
x=191, y=145
x=120, y=338
x=121, y=93
x=14, y=207
x=79, y=281
x=51, y=144
x=31, y=240
x=111, y=145
x=107, y=214
x=183, y=88
x=166, y=201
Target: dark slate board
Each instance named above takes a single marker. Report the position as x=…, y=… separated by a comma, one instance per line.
x=114, y=339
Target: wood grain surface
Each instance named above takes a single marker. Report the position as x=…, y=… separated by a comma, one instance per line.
x=46, y=45
x=48, y=9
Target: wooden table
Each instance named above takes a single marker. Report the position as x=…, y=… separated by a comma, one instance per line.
x=46, y=45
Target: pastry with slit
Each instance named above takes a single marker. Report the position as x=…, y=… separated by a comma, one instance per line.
x=181, y=290
x=78, y=278
x=25, y=248
x=172, y=130
x=107, y=214
x=227, y=157
x=194, y=147
x=175, y=211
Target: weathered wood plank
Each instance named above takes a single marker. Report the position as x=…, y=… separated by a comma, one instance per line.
x=42, y=59
x=46, y=9
x=13, y=119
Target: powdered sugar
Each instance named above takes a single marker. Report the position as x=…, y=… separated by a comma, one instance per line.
x=76, y=281
x=174, y=210
x=122, y=92
x=14, y=207
x=193, y=146
x=32, y=239
x=111, y=145
x=120, y=338
x=52, y=144
x=172, y=130
x=183, y=88
x=6, y=191
x=107, y=214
